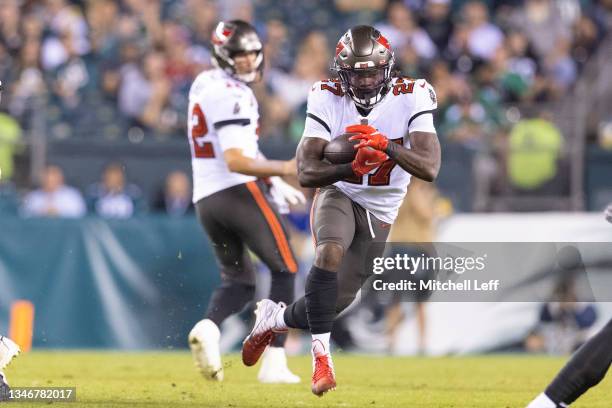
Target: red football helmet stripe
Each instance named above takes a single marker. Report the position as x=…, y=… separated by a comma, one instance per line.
x=339, y=48
x=384, y=42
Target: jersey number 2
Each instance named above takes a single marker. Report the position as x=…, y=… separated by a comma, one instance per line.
x=199, y=129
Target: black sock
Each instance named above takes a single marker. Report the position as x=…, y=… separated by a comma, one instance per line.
x=295, y=315
x=586, y=368
x=227, y=299
x=321, y=297
x=282, y=287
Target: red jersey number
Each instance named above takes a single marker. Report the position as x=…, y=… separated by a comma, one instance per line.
x=382, y=176
x=336, y=88
x=199, y=130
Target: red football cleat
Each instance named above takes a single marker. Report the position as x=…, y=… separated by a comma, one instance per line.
x=263, y=332
x=323, y=376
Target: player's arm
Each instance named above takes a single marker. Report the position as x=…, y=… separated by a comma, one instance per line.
x=423, y=158
x=259, y=167
x=312, y=170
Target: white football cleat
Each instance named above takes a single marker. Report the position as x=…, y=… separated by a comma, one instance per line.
x=204, y=344
x=8, y=350
x=264, y=331
x=274, y=368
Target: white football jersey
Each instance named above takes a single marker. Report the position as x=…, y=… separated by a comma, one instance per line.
x=408, y=107
x=223, y=114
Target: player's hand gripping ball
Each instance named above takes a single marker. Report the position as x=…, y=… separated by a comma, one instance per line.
x=367, y=136
x=367, y=159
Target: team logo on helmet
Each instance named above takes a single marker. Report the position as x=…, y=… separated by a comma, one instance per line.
x=222, y=33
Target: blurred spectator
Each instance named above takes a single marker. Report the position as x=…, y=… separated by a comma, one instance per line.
x=542, y=23
x=481, y=36
x=347, y=6
x=277, y=49
x=201, y=17
x=112, y=197
x=184, y=61
x=237, y=9
x=608, y=213
x=10, y=143
x=402, y=31
x=466, y=122
x=103, y=35
x=175, y=198
x=437, y=22
x=54, y=198
x=563, y=322
x=28, y=82
x=65, y=21
x=520, y=62
x=560, y=67
x=535, y=148
x=144, y=91
x=311, y=65
x=289, y=91
x=72, y=77
x=586, y=37
x=10, y=16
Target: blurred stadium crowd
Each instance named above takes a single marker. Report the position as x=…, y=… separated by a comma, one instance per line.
x=119, y=72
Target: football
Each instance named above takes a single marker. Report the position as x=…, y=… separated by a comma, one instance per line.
x=340, y=150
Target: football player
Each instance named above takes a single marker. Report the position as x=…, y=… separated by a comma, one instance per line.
x=8, y=351
x=356, y=202
x=231, y=198
x=587, y=367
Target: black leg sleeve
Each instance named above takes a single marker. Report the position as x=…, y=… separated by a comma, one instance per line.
x=586, y=368
x=295, y=315
x=321, y=297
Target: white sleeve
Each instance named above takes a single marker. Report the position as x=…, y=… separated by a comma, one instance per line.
x=318, y=117
x=231, y=136
x=425, y=104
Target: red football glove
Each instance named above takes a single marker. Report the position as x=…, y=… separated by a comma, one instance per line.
x=367, y=160
x=368, y=136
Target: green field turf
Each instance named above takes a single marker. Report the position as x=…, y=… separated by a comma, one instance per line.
x=168, y=379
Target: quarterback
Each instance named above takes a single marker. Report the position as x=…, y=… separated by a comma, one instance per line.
x=356, y=202
x=231, y=198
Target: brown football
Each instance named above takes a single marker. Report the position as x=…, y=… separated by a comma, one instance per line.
x=340, y=150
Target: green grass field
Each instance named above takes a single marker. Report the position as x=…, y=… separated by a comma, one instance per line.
x=168, y=379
